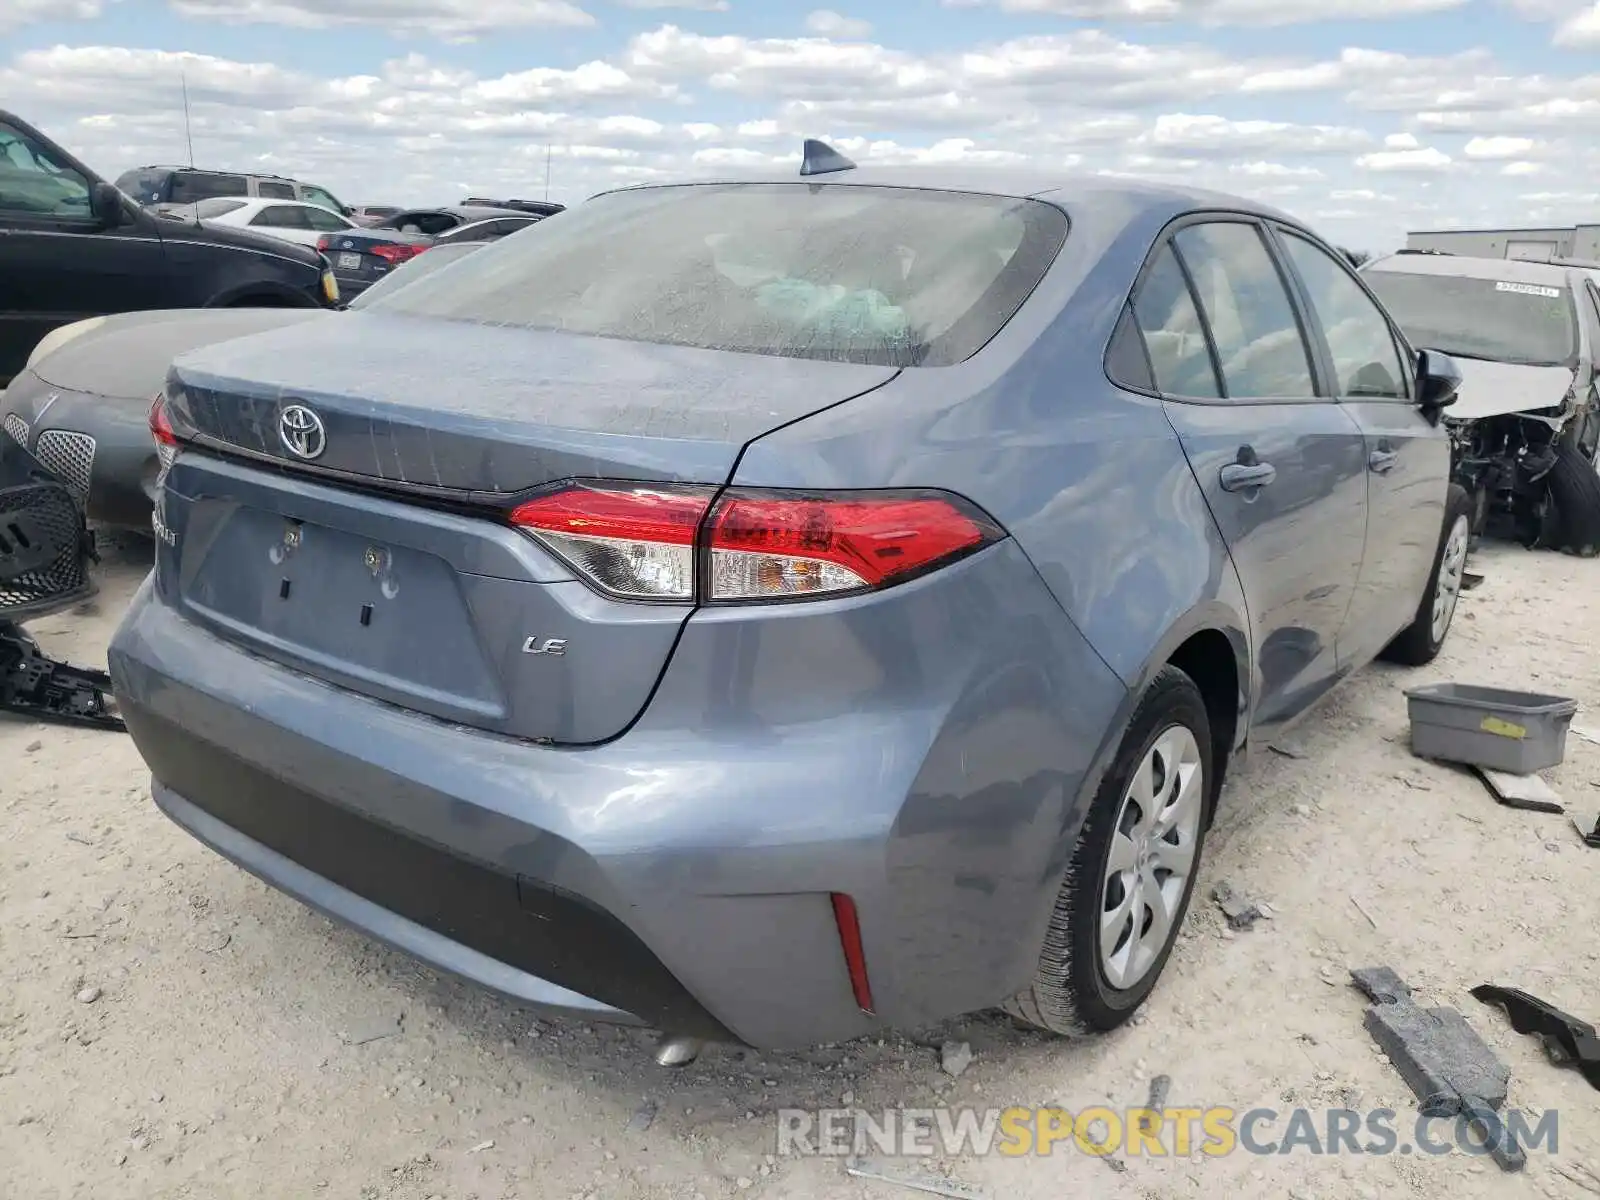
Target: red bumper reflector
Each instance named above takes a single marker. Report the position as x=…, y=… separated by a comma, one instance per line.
x=855, y=961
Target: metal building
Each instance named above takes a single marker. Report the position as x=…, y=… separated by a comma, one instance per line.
x=1534, y=245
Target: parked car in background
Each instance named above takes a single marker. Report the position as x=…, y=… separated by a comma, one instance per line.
x=82, y=403
x=371, y=214
x=73, y=246
x=361, y=257
x=542, y=208
x=776, y=611
x=290, y=220
x=155, y=187
x=1527, y=424
x=486, y=231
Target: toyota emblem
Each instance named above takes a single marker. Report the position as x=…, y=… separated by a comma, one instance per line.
x=301, y=431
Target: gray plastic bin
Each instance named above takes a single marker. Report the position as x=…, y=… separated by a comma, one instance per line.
x=1515, y=732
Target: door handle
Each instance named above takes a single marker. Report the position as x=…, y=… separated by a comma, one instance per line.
x=1382, y=460
x=1241, y=477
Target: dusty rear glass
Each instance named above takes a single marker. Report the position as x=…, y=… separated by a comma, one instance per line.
x=896, y=276
x=1529, y=324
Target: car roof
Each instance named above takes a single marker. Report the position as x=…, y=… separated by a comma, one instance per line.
x=1465, y=266
x=1066, y=189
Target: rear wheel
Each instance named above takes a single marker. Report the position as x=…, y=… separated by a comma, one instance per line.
x=1575, y=496
x=1127, y=887
x=1424, y=637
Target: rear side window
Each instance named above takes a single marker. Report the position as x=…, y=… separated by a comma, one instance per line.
x=217, y=206
x=848, y=273
x=1166, y=314
x=1252, y=322
x=269, y=189
x=189, y=186
x=147, y=187
x=282, y=216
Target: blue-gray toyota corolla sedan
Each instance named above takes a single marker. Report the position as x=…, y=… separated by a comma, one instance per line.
x=771, y=609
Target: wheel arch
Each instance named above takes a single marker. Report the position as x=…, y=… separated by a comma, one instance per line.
x=265, y=293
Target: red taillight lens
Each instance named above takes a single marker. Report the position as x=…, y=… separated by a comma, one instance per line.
x=392, y=254
x=161, y=430
x=669, y=543
x=764, y=548
x=632, y=542
x=324, y=244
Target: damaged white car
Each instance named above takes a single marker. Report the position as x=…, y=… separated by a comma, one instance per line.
x=1526, y=423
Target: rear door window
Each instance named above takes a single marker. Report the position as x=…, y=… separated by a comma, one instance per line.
x=1174, y=338
x=269, y=189
x=189, y=186
x=323, y=220
x=282, y=216
x=1252, y=322
x=852, y=273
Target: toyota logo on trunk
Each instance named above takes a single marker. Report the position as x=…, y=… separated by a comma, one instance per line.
x=301, y=431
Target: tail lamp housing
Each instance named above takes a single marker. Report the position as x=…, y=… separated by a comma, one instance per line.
x=744, y=545
x=161, y=430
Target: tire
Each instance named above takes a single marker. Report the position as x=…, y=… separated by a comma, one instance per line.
x=1575, y=495
x=1422, y=640
x=1073, y=992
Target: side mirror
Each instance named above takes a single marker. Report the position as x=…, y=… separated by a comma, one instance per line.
x=105, y=202
x=1438, y=381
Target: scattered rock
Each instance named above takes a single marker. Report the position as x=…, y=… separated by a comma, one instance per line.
x=482, y=1146
x=89, y=995
x=1240, y=913
x=955, y=1058
x=643, y=1117
x=33, y=747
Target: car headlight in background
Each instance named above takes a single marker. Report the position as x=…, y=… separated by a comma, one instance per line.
x=59, y=337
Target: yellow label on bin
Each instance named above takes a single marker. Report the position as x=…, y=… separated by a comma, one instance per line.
x=1502, y=728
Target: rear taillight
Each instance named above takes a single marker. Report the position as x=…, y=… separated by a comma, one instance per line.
x=324, y=244
x=684, y=543
x=392, y=254
x=161, y=430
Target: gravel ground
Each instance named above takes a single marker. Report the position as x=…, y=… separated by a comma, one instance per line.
x=171, y=1027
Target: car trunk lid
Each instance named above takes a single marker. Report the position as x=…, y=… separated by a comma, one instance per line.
x=381, y=560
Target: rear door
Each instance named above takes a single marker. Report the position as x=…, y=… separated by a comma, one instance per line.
x=1282, y=466
x=57, y=264
x=1408, y=456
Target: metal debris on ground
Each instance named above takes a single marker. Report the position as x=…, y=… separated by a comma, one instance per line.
x=1570, y=1041
x=1588, y=826
x=1527, y=792
x=1360, y=908
x=931, y=1185
x=1155, y=1105
x=1241, y=914
x=374, y=1030
x=1442, y=1060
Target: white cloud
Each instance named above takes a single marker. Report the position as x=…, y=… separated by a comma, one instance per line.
x=1401, y=141
x=1425, y=158
x=695, y=5
x=1517, y=169
x=824, y=22
x=1219, y=135
x=1215, y=12
x=14, y=14
x=1497, y=147
x=451, y=19
x=1581, y=31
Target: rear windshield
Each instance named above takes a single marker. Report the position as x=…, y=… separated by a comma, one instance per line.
x=1507, y=321
x=895, y=276
x=217, y=206
x=189, y=186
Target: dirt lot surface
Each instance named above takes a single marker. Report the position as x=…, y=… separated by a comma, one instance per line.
x=171, y=1027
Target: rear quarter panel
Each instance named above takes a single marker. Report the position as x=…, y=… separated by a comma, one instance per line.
x=1093, y=485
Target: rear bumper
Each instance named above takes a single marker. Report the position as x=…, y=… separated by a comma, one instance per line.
x=679, y=876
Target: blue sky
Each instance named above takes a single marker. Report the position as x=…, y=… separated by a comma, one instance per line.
x=1400, y=114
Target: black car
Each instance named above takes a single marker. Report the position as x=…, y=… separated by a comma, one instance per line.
x=540, y=208
x=73, y=246
x=491, y=230
x=361, y=257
